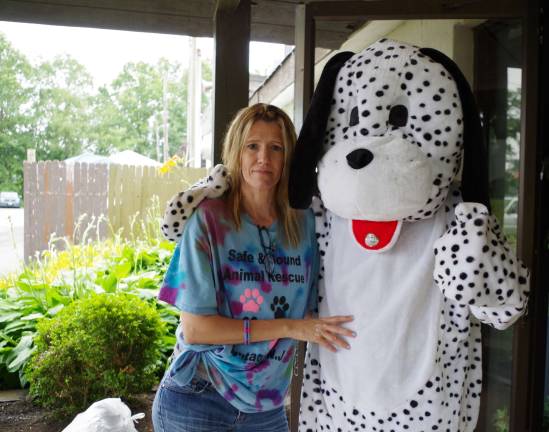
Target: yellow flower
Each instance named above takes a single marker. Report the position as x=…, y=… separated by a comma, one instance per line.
x=169, y=164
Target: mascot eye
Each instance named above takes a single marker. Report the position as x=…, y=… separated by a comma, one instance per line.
x=398, y=116
x=353, y=121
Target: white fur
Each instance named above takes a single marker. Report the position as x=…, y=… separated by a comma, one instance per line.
x=394, y=185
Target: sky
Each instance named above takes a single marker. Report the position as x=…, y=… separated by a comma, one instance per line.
x=104, y=52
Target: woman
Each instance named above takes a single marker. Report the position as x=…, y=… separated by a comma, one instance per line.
x=244, y=277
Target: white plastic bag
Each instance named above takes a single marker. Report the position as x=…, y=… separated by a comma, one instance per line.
x=107, y=415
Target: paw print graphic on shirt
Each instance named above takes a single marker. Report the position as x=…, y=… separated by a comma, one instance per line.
x=251, y=299
x=279, y=306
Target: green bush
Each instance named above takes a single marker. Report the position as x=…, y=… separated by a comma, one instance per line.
x=134, y=263
x=107, y=345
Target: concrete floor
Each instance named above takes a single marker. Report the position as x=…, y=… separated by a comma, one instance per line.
x=12, y=395
x=11, y=239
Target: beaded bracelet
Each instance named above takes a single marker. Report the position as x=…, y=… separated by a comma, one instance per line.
x=246, y=331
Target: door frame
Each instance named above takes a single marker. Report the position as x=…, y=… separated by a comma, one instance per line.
x=530, y=333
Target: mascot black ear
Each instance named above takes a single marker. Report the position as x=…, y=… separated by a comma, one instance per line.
x=474, y=179
x=308, y=151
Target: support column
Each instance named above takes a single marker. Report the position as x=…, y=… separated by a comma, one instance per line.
x=231, y=76
x=303, y=92
x=304, y=62
x=193, y=156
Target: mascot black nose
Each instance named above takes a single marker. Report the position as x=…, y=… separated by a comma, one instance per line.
x=359, y=158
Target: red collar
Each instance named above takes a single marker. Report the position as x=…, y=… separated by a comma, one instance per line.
x=375, y=236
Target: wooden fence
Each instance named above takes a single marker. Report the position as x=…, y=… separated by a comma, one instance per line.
x=63, y=200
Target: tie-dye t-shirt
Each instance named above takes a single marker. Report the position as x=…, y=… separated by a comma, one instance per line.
x=216, y=269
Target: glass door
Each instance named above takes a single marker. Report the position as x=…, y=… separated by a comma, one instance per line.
x=498, y=90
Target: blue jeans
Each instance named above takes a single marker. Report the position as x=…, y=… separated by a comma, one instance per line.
x=198, y=407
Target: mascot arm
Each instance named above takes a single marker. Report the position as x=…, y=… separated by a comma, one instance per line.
x=475, y=266
x=181, y=206
x=322, y=228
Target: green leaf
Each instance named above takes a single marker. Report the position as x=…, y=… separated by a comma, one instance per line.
x=166, y=245
x=53, y=297
x=27, y=286
x=108, y=283
x=8, y=305
x=122, y=270
x=21, y=358
x=147, y=294
x=128, y=253
x=18, y=326
x=54, y=310
x=169, y=340
x=23, y=378
x=33, y=316
x=147, y=259
x=10, y=316
x=22, y=352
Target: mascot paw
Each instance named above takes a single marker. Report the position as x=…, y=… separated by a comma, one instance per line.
x=182, y=205
x=463, y=267
x=218, y=181
x=472, y=214
x=475, y=266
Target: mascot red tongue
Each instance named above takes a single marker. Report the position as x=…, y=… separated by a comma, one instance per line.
x=376, y=236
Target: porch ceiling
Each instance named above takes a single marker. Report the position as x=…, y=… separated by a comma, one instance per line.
x=272, y=20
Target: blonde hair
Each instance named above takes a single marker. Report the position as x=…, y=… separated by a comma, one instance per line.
x=233, y=145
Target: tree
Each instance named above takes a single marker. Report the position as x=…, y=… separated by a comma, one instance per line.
x=61, y=108
x=54, y=108
x=512, y=142
x=108, y=132
x=15, y=97
x=44, y=107
x=130, y=113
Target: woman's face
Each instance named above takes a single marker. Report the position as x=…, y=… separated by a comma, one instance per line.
x=262, y=158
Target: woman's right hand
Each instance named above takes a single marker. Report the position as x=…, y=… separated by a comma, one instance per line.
x=328, y=332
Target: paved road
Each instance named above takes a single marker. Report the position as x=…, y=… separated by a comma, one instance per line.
x=11, y=239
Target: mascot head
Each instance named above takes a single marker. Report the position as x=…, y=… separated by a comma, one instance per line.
x=385, y=136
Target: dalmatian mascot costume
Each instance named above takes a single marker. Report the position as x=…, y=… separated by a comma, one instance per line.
x=412, y=254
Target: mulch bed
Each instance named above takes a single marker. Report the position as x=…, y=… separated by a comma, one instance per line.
x=23, y=416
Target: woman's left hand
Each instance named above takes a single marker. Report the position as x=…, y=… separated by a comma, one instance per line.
x=328, y=332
